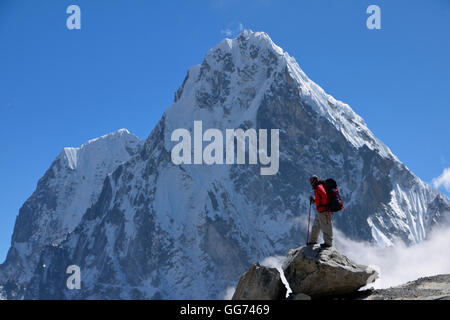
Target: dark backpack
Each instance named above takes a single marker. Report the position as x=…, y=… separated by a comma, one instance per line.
x=334, y=201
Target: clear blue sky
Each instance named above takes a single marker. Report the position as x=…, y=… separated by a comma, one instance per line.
x=60, y=88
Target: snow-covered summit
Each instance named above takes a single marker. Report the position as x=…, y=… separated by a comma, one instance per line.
x=78, y=174
x=236, y=71
x=257, y=39
x=108, y=145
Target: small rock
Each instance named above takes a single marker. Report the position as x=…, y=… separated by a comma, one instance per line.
x=260, y=283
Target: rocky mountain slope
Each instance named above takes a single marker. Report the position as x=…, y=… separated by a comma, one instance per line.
x=160, y=230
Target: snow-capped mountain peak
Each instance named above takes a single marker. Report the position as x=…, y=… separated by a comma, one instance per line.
x=69, y=187
x=161, y=230
x=244, y=69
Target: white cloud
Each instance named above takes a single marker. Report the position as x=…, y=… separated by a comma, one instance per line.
x=226, y=32
x=443, y=180
x=233, y=29
x=396, y=264
x=400, y=263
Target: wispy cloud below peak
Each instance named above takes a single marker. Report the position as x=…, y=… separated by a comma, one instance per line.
x=232, y=29
x=443, y=180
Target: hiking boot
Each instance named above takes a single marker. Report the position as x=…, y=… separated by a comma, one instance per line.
x=325, y=245
x=311, y=243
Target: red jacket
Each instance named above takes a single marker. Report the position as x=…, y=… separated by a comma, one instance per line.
x=320, y=198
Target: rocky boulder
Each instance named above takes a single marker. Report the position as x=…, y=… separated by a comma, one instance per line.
x=319, y=272
x=260, y=283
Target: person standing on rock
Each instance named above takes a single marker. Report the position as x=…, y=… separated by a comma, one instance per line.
x=322, y=221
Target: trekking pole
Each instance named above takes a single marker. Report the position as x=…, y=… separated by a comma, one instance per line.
x=309, y=217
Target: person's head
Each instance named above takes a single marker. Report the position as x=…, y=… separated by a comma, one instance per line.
x=313, y=180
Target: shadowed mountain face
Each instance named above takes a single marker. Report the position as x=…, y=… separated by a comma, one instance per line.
x=159, y=230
